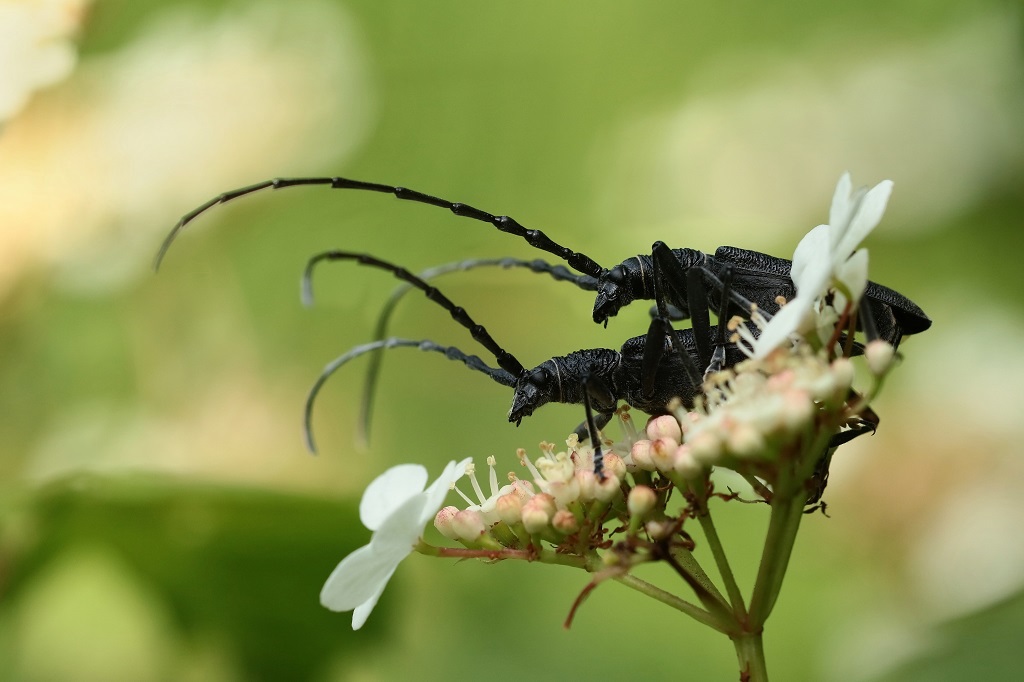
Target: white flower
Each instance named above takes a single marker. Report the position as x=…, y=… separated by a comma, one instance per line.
x=396, y=507
x=825, y=257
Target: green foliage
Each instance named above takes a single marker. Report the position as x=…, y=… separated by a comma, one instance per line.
x=240, y=566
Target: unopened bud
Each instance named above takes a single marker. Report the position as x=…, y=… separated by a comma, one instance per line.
x=641, y=501
x=608, y=487
x=588, y=484
x=664, y=426
x=537, y=512
x=509, y=508
x=469, y=525
x=613, y=464
x=658, y=530
x=443, y=522
x=564, y=521
x=879, y=355
x=663, y=453
x=686, y=465
x=641, y=454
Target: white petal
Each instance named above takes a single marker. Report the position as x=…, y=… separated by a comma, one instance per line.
x=389, y=491
x=785, y=322
x=438, y=490
x=813, y=247
x=854, y=273
x=816, y=273
x=868, y=215
x=840, y=230
x=359, y=576
x=401, y=529
x=839, y=212
x=362, y=612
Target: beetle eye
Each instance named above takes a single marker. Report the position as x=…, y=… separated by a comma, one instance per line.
x=540, y=377
x=617, y=274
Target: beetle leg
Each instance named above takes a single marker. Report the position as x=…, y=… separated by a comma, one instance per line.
x=596, y=389
x=660, y=331
x=669, y=276
x=717, y=360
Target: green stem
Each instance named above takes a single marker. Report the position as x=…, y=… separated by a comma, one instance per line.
x=722, y=561
x=541, y=556
x=787, y=512
x=675, y=602
x=750, y=653
x=592, y=565
x=688, y=562
x=710, y=599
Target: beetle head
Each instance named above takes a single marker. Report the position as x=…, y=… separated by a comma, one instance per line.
x=614, y=291
x=535, y=388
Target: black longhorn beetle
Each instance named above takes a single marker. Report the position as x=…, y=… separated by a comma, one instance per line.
x=648, y=372
x=662, y=275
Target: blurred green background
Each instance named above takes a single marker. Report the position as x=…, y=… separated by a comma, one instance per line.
x=159, y=517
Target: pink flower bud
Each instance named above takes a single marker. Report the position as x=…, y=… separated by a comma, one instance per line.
x=663, y=452
x=588, y=484
x=509, y=508
x=608, y=488
x=564, y=521
x=469, y=525
x=537, y=511
x=641, y=454
x=613, y=464
x=664, y=426
x=443, y=522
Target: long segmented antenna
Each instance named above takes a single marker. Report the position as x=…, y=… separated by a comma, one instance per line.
x=558, y=272
x=534, y=238
x=472, y=361
x=505, y=360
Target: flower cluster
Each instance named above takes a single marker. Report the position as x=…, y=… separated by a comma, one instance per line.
x=774, y=418
x=756, y=418
x=561, y=497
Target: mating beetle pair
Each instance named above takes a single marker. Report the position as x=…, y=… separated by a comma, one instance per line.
x=648, y=369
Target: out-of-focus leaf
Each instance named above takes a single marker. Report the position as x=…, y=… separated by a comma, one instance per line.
x=244, y=565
